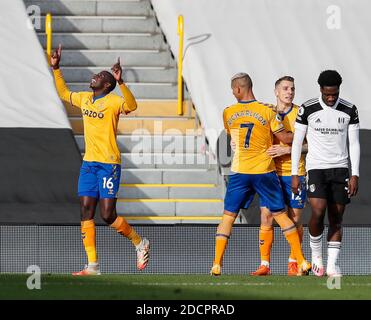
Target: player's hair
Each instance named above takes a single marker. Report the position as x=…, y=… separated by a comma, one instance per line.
x=243, y=79
x=110, y=79
x=329, y=78
x=284, y=78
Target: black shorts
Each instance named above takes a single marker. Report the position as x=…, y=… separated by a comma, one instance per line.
x=330, y=184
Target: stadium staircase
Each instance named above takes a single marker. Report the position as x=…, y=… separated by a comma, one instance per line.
x=154, y=189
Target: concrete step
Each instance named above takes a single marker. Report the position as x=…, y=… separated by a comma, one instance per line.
x=92, y=8
x=167, y=160
x=130, y=74
x=102, y=24
x=170, y=191
x=156, y=58
x=169, y=176
x=193, y=208
x=146, y=126
x=149, y=108
x=165, y=207
x=141, y=90
x=97, y=41
x=196, y=192
x=156, y=143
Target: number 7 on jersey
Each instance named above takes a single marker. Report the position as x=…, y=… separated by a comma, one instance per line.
x=249, y=127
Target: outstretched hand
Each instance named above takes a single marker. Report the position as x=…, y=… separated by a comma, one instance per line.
x=117, y=71
x=55, y=57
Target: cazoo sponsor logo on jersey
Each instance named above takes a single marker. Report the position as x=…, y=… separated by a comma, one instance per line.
x=92, y=114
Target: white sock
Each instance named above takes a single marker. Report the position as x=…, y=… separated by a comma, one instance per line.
x=316, y=246
x=333, y=250
x=139, y=245
x=265, y=263
x=292, y=260
x=92, y=264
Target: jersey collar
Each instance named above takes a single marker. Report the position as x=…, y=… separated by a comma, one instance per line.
x=246, y=101
x=286, y=113
x=324, y=105
x=98, y=97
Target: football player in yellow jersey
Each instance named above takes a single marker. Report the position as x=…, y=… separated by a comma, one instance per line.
x=252, y=125
x=100, y=172
x=281, y=153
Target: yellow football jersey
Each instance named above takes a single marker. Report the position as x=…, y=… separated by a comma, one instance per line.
x=100, y=117
x=283, y=163
x=251, y=125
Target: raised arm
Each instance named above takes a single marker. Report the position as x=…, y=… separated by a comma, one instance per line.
x=130, y=102
x=277, y=127
x=284, y=136
x=278, y=150
x=64, y=93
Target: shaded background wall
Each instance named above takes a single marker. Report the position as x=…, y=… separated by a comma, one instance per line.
x=39, y=159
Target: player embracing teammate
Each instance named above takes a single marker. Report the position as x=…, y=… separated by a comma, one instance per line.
x=326, y=123
x=252, y=125
x=281, y=153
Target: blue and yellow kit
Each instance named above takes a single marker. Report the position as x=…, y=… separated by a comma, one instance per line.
x=283, y=164
x=101, y=170
x=251, y=125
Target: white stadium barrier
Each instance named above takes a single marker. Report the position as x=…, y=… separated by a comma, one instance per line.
x=269, y=39
x=28, y=96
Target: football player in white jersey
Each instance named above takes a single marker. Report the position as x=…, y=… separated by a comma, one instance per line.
x=327, y=122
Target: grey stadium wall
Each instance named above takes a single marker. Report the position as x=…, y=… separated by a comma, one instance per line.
x=39, y=158
x=174, y=250
x=358, y=212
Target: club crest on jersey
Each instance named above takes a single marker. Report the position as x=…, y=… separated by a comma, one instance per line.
x=301, y=111
x=278, y=117
x=312, y=188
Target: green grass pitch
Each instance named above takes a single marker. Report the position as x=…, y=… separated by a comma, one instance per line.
x=178, y=287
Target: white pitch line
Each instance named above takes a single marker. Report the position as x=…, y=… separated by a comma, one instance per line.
x=216, y=284
x=201, y=284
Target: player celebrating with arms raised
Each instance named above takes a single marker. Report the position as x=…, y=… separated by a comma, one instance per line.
x=327, y=122
x=101, y=169
x=285, y=93
x=251, y=125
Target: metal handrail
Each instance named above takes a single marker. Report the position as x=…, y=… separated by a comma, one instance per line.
x=180, y=64
x=48, y=31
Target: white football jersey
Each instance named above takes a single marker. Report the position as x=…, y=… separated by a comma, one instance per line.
x=327, y=132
